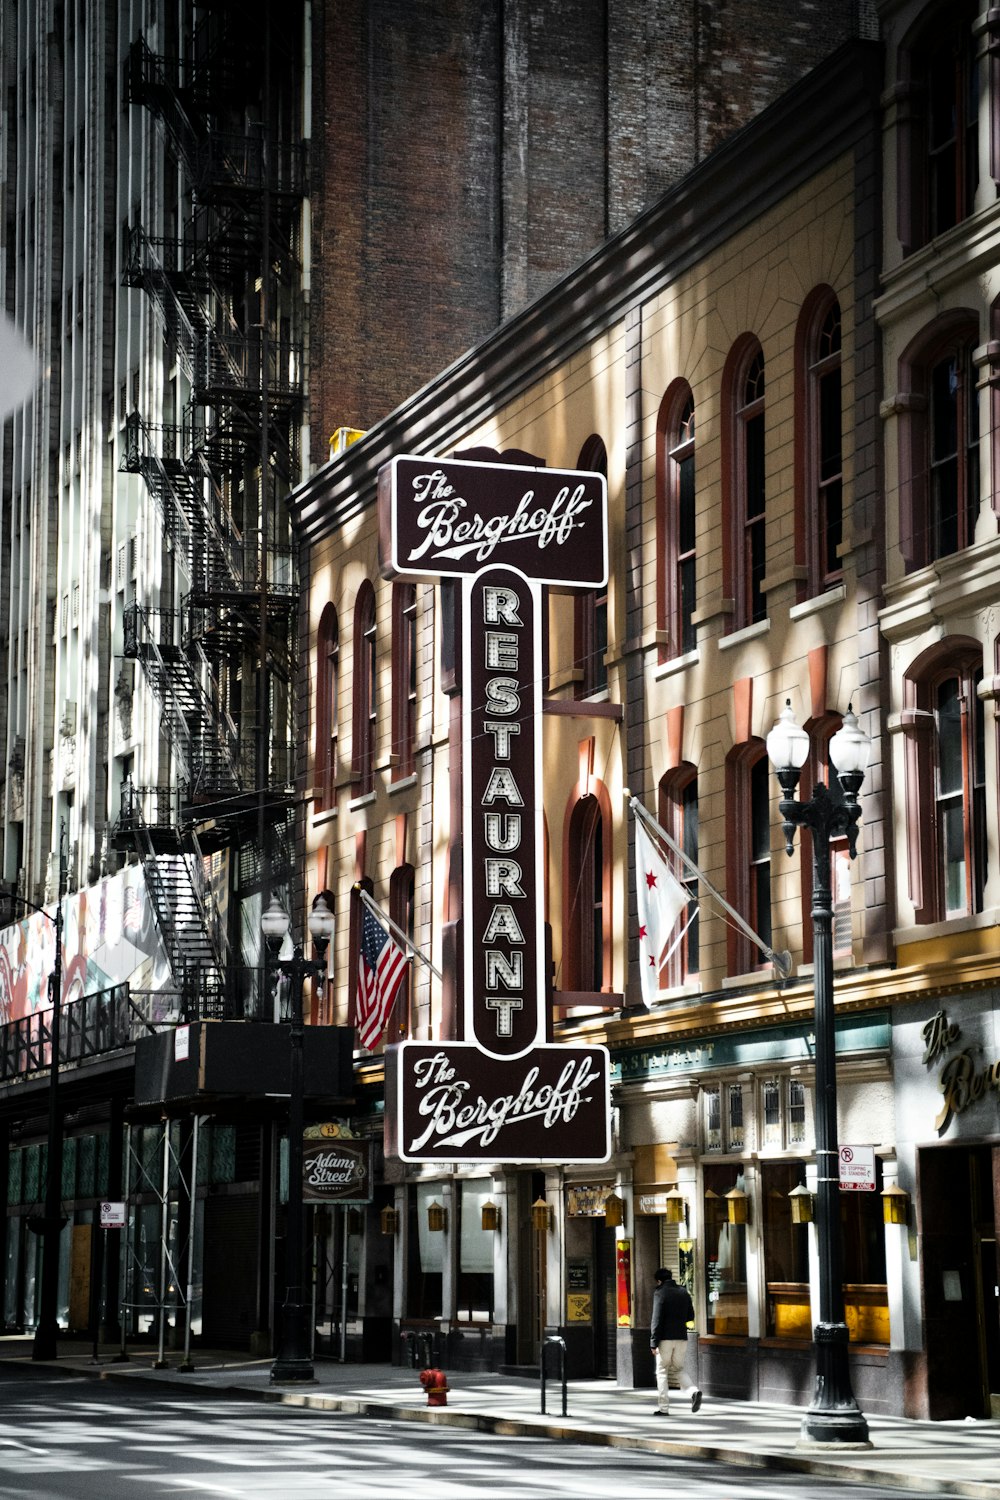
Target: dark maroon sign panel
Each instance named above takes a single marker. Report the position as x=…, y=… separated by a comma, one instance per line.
x=446, y=518
x=504, y=989
x=456, y=1104
x=335, y=1171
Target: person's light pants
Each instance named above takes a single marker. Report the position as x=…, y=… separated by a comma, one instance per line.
x=670, y=1356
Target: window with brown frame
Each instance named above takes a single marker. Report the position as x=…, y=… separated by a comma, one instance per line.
x=749, y=510
x=678, y=526
x=327, y=662
x=678, y=812
x=401, y=887
x=749, y=852
x=824, y=508
x=938, y=146
x=404, y=678
x=953, y=453
x=590, y=623
x=365, y=700
x=944, y=722
x=586, y=927
x=939, y=444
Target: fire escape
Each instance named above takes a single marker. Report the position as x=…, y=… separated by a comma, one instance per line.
x=220, y=663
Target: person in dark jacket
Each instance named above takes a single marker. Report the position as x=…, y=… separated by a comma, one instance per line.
x=672, y=1312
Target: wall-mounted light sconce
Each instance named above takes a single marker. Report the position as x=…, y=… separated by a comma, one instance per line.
x=801, y=1200
x=614, y=1211
x=541, y=1216
x=437, y=1217
x=895, y=1205
x=676, y=1207
x=389, y=1219
x=737, y=1206
x=491, y=1216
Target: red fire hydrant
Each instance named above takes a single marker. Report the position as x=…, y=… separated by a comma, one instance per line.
x=435, y=1384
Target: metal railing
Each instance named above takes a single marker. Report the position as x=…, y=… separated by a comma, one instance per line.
x=89, y=1027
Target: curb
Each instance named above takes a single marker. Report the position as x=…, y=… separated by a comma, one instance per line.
x=542, y=1427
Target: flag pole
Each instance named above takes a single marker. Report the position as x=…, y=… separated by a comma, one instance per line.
x=397, y=931
x=782, y=961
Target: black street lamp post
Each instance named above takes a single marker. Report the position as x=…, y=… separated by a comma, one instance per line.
x=834, y=1416
x=293, y=1357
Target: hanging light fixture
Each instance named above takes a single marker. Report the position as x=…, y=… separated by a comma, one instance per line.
x=801, y=1200
x=389, y=1219
x=676, y=1207
x=737, y=1206
x=490, y=1216
x=895, y=1205
x=614, y=1211
x=540, y=1217
x=437, y=1217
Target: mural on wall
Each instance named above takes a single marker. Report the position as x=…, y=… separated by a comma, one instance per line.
x=109, y=937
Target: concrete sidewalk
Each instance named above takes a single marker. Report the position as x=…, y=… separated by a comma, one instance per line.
x=946, y=1458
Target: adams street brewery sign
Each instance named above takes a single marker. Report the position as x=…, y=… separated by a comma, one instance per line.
x=502, y=1093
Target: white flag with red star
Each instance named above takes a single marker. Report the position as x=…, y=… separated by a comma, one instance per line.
x=661, y=898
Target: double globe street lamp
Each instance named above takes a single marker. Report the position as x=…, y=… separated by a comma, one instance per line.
x=293, y=1356
x=834, y=1416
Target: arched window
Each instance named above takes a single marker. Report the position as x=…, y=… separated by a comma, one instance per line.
x=744, y=477
x=819, y=442
x=939, y=441
x=748, y=852
x=587, y=933
x=404, y=678
x=944, y=724
x=364, y=716
x=591, y=609
x=327, y=661
x=401, y=887
x=938, y=106
x=676, y=520
x=678, y=813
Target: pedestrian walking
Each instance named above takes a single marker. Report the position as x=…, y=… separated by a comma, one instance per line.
x=672, y=1312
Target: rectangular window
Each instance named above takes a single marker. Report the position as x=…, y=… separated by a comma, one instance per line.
x=724, y=1117
x=725, y=1254
x=786, y=1252
x=475, y=1254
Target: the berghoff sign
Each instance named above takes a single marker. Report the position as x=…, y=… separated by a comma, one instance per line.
x=502, y=1093
x=963, y=1078
x=445, y=518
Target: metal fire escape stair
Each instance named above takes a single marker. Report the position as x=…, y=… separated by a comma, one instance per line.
x=204, y=737
x=239, y=609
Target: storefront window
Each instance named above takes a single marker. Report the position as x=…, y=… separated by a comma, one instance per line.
x=866, y=1296
x=786, y=1253
x=426, y=1257
x=475, y=1251
x=725, y=1254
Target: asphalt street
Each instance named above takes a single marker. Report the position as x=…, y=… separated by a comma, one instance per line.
x=65, y=1438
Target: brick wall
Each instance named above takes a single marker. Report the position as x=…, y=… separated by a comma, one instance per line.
x=467, y=155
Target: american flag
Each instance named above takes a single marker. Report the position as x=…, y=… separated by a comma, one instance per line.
x=381, y=966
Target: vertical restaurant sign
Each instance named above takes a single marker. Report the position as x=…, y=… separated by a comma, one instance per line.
x=502, y=1093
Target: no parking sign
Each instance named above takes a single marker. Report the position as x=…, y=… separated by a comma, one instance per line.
x=857, y=1169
